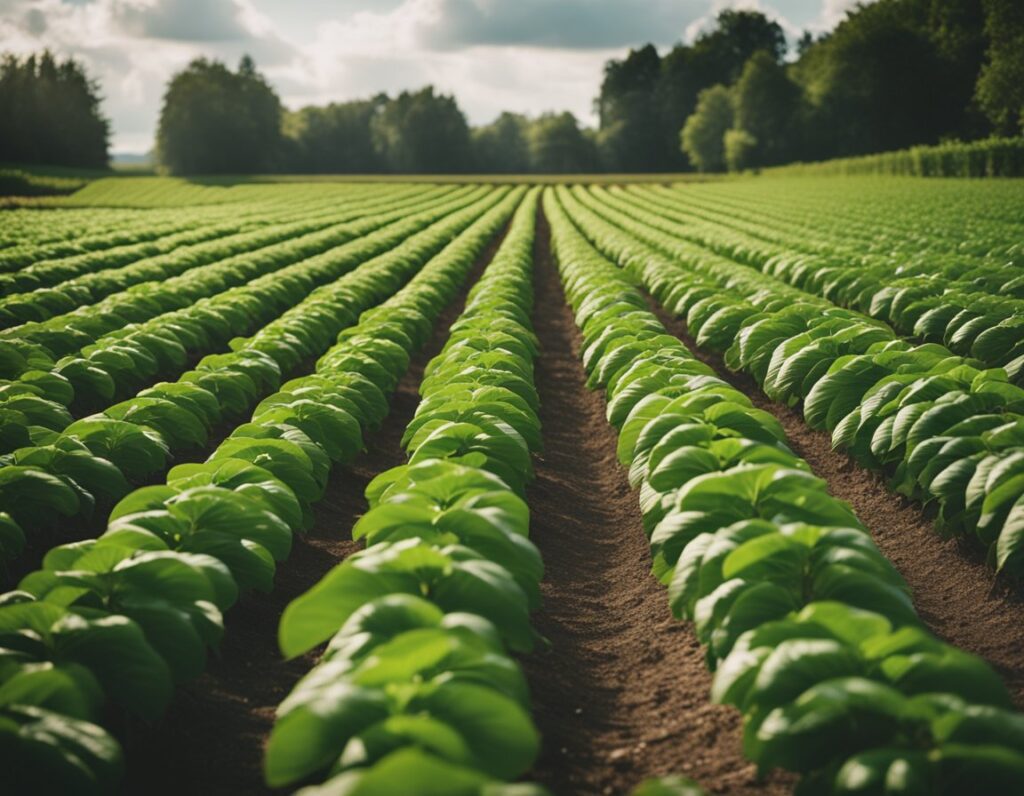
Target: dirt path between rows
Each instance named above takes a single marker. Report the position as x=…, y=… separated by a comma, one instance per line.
x=211, y=740
x=623, y=692
x=952, y=587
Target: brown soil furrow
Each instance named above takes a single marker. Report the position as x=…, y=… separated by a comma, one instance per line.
x=623, y=692
x=211, y=739
x=953, y=589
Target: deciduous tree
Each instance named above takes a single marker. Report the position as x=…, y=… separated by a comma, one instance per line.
x=215, y=121
x=702, y=137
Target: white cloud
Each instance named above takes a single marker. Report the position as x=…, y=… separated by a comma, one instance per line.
x=132, y=47
x=834, y=11
x=373, y=52
x=181, y=20
x=572, y=24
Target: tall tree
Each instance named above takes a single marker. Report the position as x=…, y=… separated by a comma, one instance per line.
x=559, y=146
x=334, y=139
x=703, y=136
x=958, y=30
x=630, y=138
x=502, y=146
x=50, y=113
x=737, y=35
x=881, y=81
x=767, y=107
x=215, y=121
x=422, y=133
x=1001, y=84
x=716, y=57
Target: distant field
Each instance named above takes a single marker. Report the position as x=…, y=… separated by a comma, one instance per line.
x=580, y=479
x=44, y=180
x=16, y=182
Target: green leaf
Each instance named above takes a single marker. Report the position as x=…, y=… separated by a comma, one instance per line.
x=947, y=670
x=313, y=617
x=831, y=720
x=980, y=769
x=255, y=483
x=314, y=723
x=214, y=509
x=413, y=772
x=859, y=589
x=886, y=772
x=99, y=477
x=46, y=752
x=169, y=630
x=136, y=451
x=68, y=689
x=146, y=498
x=12, y=538
x=496, y=729
x=33, y=497
x=682, y=465
x=284, y=459
x=668, y=786
x=337, y=431
x=178, y=426
x=488, y=589
x=795, y=665
x=115, y=650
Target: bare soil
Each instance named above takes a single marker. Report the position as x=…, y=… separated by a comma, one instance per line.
x=954, y=591
x=211, y=740
x=622, y=694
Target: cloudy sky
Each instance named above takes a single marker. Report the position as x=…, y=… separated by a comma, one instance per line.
x=494, y=55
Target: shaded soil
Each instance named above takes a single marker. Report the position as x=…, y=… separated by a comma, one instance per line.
x=623, y=692
x=211, y=739
x=954, y=591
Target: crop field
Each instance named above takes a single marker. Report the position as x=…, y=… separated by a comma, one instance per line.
x=504, y=488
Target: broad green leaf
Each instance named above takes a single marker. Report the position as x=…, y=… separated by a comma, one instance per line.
x=313, y=726
x=46, y=752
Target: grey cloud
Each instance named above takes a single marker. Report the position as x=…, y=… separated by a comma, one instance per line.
x=181, y=20
x=35, y=22
x=569, y=24
x=214, y=23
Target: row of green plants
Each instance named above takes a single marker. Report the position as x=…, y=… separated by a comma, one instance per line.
x=212, y=192
x=973, y=309
x=29, y=236
x=945, y=429
x=417, y=692
x=125, y=211
x=809, y=630
x=989, y=157
x=192, y=228
x=178, y=268
x=889, y=232
x=108, y=626
x=971, y=304
x=89, y=357
x=877, y=222
x=43, y=272
x=23, y=180
x=54, y=468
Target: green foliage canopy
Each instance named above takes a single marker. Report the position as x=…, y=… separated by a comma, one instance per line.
x=214, y=120
x=50, y=113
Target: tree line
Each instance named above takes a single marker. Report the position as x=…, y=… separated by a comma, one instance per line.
x=892, y=74
x=218, y=121
x=50, y=113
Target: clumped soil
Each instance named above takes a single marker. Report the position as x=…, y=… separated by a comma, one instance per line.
x=954, y=591
x=211, y=740
x=622, y=694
